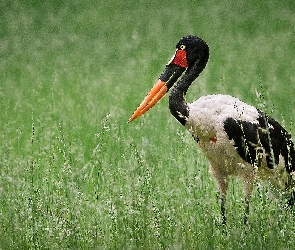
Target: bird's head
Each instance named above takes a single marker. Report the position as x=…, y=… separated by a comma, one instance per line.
x=191, y=55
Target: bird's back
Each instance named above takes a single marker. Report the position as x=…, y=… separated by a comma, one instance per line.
x=208, y=113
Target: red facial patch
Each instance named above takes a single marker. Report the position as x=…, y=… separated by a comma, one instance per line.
x=180, y=58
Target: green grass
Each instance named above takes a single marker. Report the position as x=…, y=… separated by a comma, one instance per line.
x=75, y=175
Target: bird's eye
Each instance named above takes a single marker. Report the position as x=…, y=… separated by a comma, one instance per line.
x=182, y=47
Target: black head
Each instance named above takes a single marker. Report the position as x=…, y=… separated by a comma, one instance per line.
x=197, y=50
x=191, y=56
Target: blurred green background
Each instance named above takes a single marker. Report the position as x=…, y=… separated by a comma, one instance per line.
x=71, y=75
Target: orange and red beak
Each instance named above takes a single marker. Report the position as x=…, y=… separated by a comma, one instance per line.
x=175, y=67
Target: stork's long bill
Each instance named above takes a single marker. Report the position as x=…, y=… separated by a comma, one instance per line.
x=175, y=67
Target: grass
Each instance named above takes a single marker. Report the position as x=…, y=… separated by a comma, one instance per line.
x=75, y=175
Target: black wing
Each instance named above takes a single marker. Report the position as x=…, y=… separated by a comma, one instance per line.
x=251, y=138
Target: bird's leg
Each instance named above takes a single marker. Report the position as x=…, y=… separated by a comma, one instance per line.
x=246, y=214
x=291, y=200
x=222, y=182
x=222, y=206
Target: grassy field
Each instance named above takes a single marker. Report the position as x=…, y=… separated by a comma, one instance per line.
x=75, y=175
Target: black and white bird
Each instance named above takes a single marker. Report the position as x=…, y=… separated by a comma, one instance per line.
x=238, y=139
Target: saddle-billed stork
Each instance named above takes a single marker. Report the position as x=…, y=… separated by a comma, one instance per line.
x=238, y=139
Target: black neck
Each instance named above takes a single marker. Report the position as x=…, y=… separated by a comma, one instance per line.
x=177, y=104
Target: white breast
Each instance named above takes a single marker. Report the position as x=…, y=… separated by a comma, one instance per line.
x=206, y=122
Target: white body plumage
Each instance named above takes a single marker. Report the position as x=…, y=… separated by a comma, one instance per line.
x=206, y=123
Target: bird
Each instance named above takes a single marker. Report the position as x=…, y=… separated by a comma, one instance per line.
x=238, y=139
